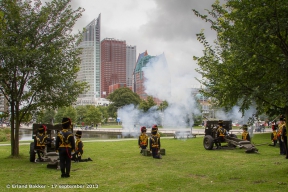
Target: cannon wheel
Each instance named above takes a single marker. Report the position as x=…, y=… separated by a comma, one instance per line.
x=208, y=142
x=32, y=153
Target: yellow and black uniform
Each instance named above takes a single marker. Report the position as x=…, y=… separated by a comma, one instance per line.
x=79, y=146
x=220, y=134
x=280, y=137
x=245, y=134
x=154, y=143
x=284, y=138
x=65, y=145
x=40, y=142
x=274, y=136
x=143, y=139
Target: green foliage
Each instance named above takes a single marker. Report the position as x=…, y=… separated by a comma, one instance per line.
x=4, y=134
x=60, y=114
x=39, y=58
x=93, y=115
x=145, y=105
x=121, y=97
x=163, y=106
x=81, y=113
x=249, y=63
x=48, y=116
x=71, y=113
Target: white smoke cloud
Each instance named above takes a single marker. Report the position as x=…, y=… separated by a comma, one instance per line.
x=235, y=115
x=175, y=88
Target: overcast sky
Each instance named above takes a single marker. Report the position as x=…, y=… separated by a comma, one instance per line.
x=158, y=26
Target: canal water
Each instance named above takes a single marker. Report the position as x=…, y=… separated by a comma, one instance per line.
x=26, y=134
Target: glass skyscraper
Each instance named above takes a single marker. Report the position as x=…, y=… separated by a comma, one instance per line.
x=90, y=69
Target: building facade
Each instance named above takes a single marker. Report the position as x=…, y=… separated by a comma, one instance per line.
x=130, y=64
x=139, y=76
x=113, y=64
x=90, y=68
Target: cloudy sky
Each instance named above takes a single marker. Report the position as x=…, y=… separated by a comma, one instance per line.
x=158, y=26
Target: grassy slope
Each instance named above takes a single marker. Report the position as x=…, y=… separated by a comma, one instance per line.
x=187, y=166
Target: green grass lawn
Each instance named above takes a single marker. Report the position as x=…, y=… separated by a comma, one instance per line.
x=187, y=166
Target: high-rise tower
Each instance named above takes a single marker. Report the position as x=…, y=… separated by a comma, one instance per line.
x=130, y=64
x=113, y=64
x=90, y=69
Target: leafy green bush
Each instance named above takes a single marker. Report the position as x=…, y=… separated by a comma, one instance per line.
x=4, y=134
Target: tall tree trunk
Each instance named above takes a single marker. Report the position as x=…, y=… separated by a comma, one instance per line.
x=12, y=128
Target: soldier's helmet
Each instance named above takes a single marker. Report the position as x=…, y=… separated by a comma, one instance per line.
x=41, y=128
x=220, y=122
x=78, y=134
x=282, y=118
x=66, y=123
x=245, y=127
x=154, y=129
x=143, y=129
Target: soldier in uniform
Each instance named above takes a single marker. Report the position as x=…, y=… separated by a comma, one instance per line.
x=77, y=156
x=39, y=142
x=143, y=139
x=220, y=134
x=154, y=143
x=245, y=134
x=65, y=145
x=279, y=135
x=274, y=135
x=284, y=136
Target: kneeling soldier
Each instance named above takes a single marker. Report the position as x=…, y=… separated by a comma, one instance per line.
x=79, y=149
x=40, y=141
x=143, y=139
x=155, y=142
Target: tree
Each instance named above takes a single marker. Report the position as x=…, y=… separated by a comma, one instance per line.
x=48, y=116
x=81, y=113
x=104, y=112
x=60, y=114
x=145, y=105
x=93, y=115
x=121, y=97
x=39, y=58
x=163, y=106
x=71, y=113
x=249, y=63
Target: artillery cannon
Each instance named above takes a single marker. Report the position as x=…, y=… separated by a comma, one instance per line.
x=232, y=141
x=49, y=153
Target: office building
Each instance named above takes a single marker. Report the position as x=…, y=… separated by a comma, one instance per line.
x=113, y=64
x=130, y=64
x=90, y=68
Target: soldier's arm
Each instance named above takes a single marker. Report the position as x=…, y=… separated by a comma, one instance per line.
x=80, y=146
x=159, y=143
x=35, y=142
x=72, y=140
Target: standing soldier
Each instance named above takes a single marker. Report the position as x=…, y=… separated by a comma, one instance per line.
x=77, y=156
x=40, y=141
x=155, y=142
x=245, y=134
x=274, y=135
x=143, y=139
x=284, y=137
x=279, y=135
x=220, y=133
x=65, y=145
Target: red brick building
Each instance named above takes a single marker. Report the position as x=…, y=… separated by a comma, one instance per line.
x=113, y=64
